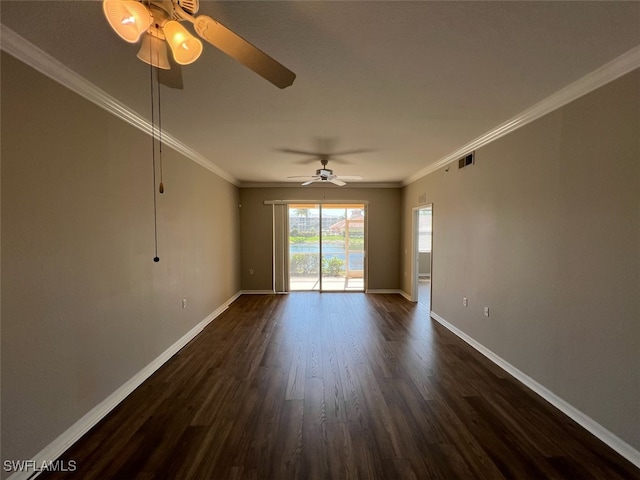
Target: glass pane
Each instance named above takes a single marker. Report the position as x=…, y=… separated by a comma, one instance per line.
x=343, y=247
x=304, y=247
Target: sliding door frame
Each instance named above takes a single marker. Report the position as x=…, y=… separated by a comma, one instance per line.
x=282, y=261
x=280, y=249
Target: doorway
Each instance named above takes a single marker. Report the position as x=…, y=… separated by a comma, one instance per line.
x=422, y=255
x=327, y=247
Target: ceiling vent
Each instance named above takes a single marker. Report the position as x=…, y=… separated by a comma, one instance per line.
x=468, y=160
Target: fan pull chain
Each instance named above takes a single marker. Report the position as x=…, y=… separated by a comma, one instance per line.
x=153, y=159
x=161, y=187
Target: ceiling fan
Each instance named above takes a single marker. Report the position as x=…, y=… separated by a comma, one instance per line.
x=157, y=22
x=325, y=174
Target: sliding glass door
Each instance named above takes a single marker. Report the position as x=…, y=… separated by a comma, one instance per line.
x=326, y=247
x=304, y=247
x=342, y=256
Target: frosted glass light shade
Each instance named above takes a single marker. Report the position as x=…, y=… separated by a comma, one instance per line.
x=154, y=52
x=128, y=18
x=185, y=47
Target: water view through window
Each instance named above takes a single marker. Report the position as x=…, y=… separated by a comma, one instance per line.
x=326, y=247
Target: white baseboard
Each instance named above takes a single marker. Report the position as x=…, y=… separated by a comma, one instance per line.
x=406, y=295
x=616, y=443
x=397, y=291
x=56, y=448
x=382, y=290
x=257, y=292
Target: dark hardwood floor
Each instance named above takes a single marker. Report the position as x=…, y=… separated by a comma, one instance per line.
x=336, y=386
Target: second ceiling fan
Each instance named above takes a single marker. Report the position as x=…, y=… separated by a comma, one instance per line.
x=325, y=174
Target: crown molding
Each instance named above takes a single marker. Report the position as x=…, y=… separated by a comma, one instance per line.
x=38, y=59
x=609, y=72
x=44, y=63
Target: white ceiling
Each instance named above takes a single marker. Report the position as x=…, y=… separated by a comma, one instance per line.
x=410, y=81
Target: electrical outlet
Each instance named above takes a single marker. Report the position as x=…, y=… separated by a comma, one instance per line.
x=465, y=302
x=486, y=311
x=184, y=303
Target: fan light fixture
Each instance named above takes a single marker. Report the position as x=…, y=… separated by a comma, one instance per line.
x=154, y=51
x=128, y=18
x=185, y=47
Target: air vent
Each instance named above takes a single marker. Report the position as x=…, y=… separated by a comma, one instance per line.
x=468, y=160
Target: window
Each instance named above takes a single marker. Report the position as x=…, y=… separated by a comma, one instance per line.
x=424, y=230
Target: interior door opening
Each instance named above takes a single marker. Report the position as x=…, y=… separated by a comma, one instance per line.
x=327, y=247
x=422, y=254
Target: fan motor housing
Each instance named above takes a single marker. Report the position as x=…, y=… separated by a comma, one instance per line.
x=324, y=172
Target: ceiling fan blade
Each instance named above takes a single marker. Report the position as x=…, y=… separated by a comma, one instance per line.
x=299, y=152
x=350, y=178
x=335, y=181
x=303, y=176
x=351, y=152
x=237, y=47
x=171, y=78
x=310, y=182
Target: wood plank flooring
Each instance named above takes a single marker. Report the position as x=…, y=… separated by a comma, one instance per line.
x=335, y=386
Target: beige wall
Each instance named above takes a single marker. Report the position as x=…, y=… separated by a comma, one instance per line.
x=84, y=307
x=383, y=230
x=545, y=230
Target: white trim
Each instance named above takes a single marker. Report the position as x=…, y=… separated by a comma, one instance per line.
x=273, y=248
x=56, y=448
x=397, y=291
x=44, y=63
x=616, y=68
x=258, y=292
x=407, y=296
x=414, y=257
x=613, y=441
